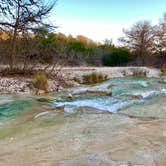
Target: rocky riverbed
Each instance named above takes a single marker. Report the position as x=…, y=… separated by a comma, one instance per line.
x=24, y=85
x=126, y=128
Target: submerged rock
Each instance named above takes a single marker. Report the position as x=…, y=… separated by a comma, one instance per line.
x=93, y=110
x=69, y=96
x=70, y=109
x=163, y=81
x=94, y=93
x=143, y=84
x=46, y=99
x=134, y=96
x=102, y=89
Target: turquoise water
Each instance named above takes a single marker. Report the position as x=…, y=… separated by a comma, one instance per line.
x=12, y=106
x=123, y=92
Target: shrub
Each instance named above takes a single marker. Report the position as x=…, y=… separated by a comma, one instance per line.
x=94, y=78
x=77, y=79
x=163, y=71
x=139, y=73
x=87, y=79
x=119, y=56
x=40, y=81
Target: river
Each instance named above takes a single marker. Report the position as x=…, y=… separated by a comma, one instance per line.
x=74, y=129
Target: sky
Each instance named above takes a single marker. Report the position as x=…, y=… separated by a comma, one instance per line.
x=104, y=19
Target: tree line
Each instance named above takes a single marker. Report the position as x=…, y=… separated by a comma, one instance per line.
x=145, y=40
x=27, y=39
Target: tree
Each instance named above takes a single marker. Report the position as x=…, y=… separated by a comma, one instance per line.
x=140, y=39
x=108, y=42
x=22, y=16
x=160, y=37
x=118, y=57
x=76, y=48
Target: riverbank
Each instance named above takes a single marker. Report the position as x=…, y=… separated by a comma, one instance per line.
x=24, y=84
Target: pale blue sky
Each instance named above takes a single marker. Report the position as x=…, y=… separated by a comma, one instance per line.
x=100, y=19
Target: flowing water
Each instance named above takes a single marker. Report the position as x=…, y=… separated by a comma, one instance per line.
x=127, y=128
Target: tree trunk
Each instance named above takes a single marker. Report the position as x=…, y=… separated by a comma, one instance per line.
x=13, y=51
x=14, y=40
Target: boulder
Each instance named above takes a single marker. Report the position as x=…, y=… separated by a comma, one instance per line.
x=46, y=99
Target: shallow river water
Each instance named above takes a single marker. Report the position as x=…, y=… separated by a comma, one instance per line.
x=125, y=129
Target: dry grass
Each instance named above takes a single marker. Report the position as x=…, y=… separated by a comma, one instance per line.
x=94, y=78
x=40, y=81
x=163, y=71
x=139, y=73
x=77, y=79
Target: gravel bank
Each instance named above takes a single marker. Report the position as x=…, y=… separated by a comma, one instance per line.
x=24, y=85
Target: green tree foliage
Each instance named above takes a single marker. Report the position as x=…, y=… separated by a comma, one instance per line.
x=118, y=57
x=81, y=48
x=45, y=45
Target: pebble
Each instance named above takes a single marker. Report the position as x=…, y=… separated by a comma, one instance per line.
x=23, y=85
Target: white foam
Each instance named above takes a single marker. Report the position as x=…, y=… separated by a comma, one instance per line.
x=41, y=114
x=70, y=109
x=143, y=84
x=151, y=93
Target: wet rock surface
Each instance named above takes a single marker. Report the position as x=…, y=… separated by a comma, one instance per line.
x=163, y=80
x=97, y=90
x=99, y=140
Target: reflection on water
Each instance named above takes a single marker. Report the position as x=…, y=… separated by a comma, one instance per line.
x=125, y=128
